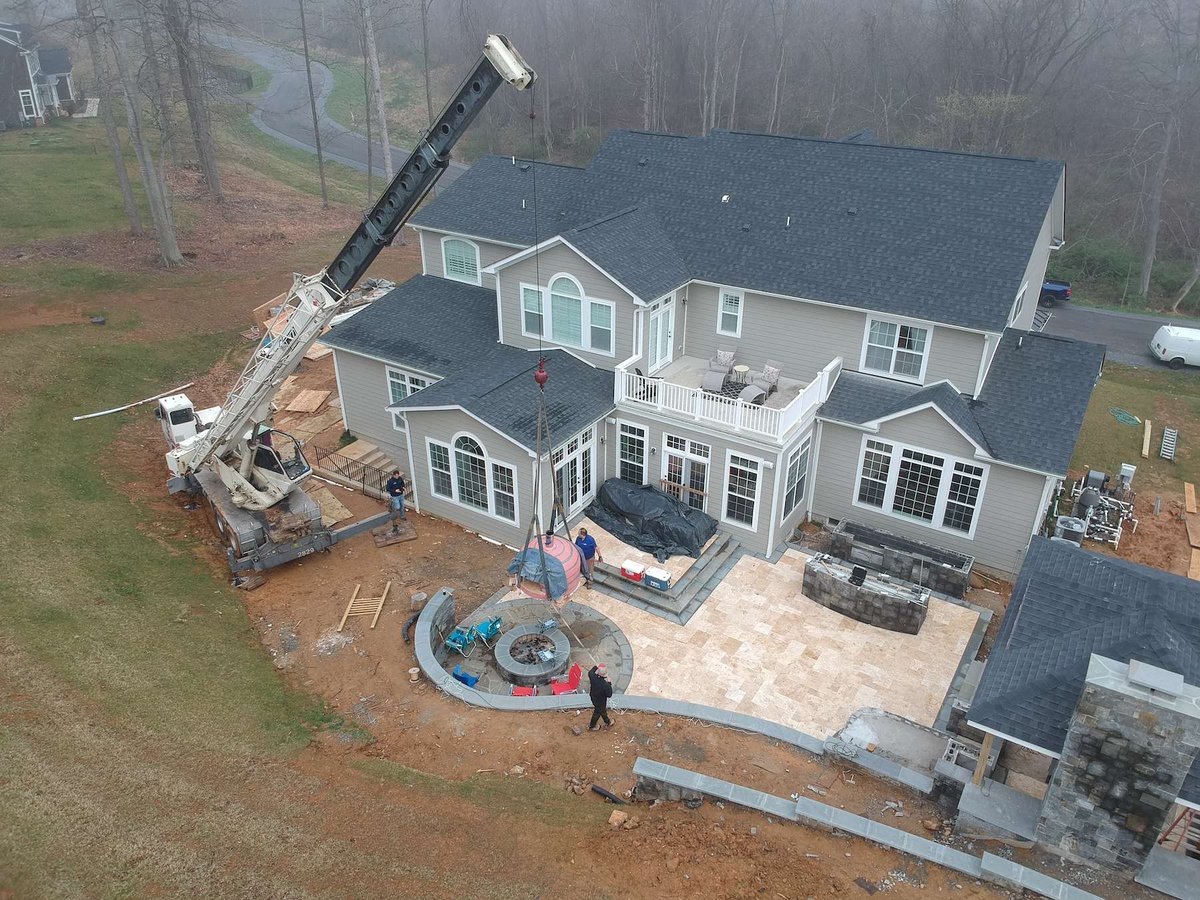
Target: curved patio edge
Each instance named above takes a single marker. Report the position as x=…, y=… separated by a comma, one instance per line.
x=438, y=618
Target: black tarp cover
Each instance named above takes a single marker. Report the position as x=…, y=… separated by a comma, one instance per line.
x=651, y=520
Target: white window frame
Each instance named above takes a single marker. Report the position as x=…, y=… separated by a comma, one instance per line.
x=407, y=377
x=490, y=478
x=804, y=448
x=689, y=454
x=891, y=372
x=722, y=293
x=758, y=491
x=28, y=104
x=939, y=512
x=478, y=279
x=585, y=322
x=542, y=296
x=645, y=438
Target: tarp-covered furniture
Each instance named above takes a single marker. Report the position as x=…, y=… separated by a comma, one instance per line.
x=651, y=520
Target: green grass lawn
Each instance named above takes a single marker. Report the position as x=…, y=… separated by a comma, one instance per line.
x=1164, y=397
x=136, y=623
x=403, y=97
x=59, y=182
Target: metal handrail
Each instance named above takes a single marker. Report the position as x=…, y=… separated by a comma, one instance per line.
x=369, y=479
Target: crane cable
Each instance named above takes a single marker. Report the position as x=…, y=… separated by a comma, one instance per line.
x=541, y=376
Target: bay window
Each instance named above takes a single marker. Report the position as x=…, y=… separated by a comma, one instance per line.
x=934, y=489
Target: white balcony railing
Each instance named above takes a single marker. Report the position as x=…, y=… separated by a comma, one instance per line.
x=729, y=414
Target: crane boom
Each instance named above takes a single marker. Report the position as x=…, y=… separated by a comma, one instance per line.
x=314, y=300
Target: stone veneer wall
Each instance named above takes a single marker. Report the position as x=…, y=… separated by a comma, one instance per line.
x=1127, y=752
x=861, y=603
x=932, y=567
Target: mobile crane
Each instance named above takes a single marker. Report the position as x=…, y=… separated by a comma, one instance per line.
x=230, y=456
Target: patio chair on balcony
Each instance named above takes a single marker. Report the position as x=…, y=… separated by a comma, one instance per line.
x=763, y=384
x=714, y=382
x=723, y=361
x=649, y=387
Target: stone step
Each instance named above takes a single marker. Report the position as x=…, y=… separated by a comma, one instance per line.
x=685, y=596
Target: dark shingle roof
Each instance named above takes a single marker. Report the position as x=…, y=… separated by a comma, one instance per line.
x=449, y=329
x=1067, y=604
x=499, y=389
x=495, y=199
x=930, y=234
x=1028, y=413
x=429, y=323
x=635, y=250
x=55, y=61
x=1035, y=396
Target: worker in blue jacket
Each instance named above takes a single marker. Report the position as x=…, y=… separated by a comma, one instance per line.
x=587, y=547
x=395, y=489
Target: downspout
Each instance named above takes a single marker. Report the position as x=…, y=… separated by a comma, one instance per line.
x=412, y=463
x=983, y=365
x=813, y=469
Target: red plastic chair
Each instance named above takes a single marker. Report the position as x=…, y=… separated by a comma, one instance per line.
x=522, y=691
x=571, y=685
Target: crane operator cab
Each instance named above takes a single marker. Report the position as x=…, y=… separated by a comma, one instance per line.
x=278, y=457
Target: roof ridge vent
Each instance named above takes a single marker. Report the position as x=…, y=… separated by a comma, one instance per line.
x=1154, y=679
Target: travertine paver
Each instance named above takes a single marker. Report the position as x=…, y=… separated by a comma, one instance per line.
x=758, y=646
x=615, y=552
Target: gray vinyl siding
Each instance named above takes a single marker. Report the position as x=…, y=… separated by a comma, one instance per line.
x=756, y=540
x=1007, y=511
x=796, y=516
x=1035, y=272
x=363, y=387
x=431, y=253
x=804, y=337
x=443, y=426
x=928, y=429
x=596, y=285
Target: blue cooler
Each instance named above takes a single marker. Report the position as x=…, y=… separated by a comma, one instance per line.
x=659, y=579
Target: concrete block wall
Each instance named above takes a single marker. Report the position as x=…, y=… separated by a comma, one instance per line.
x=1127, y=752
x=863, y=604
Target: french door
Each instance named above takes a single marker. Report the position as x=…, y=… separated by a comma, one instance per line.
x=574, y=468
x=685, y=470
x=662, y=328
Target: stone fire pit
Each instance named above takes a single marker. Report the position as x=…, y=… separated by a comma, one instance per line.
x=526, y=655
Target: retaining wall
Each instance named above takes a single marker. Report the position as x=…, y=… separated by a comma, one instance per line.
x=933, y=567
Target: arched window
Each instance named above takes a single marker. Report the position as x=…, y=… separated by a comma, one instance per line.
x=566, y=312
x=460, y=260
x=470, y=473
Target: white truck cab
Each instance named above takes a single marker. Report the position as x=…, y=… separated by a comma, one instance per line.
x=1177, y=347
x=180, y=420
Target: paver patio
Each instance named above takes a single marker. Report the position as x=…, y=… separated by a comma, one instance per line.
x=759, y=646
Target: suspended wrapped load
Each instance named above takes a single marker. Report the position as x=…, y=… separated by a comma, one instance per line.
x=549, y=568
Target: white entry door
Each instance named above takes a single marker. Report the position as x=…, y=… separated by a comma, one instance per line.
x=662, y=330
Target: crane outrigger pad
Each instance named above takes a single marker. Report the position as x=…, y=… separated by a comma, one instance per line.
x=399, y=533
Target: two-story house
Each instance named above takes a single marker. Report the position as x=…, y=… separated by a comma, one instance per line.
x=890, y=289
x=35, y=81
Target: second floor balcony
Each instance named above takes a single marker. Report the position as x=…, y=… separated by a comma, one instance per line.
x=677, y=391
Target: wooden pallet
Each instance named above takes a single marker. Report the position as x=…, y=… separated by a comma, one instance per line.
x=365, y=606
x=388, y=535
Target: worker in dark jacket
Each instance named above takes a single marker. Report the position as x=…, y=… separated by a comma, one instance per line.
x=395, y=488
x=601, y=689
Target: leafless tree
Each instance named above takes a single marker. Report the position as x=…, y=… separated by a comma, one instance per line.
x=183, y=27
x=372, y=55
x=312, y=100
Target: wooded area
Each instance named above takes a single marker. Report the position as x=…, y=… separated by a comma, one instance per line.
x=1110, y=86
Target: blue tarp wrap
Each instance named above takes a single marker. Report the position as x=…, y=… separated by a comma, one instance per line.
x=528, y=565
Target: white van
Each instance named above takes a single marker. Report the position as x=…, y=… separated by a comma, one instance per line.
x=1177, y=347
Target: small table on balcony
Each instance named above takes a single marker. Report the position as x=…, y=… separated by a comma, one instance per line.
x=741, y=375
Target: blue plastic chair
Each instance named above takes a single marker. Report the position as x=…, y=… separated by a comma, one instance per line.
x=462, y=640
x=465, y=677
x=489, y=630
